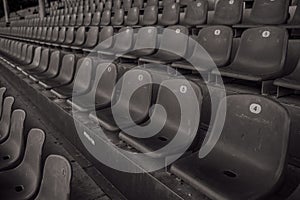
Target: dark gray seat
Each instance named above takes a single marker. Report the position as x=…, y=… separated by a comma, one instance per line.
x=65, y=75
x=150, y=16
x=217, y=42
x=53, y=68
x=43, y=65
x=106, y=39
x=269, y=12
x=170, y=14
x=140, y=83
x=248, y=160
x=35, y=62
x=12, y=149
x=23, y=181
x=173, y=98
x=92, y=36
x=80, y=38
x=123, y=41
x=196, y=13
x=6, y=118
x=105, y=18
x=117, y=18
x=81, y=82
x=101, y=92
x=96, y=19
x=260, y=56
x=228, y=12
x=133, y=16
x=56, y=179
x=170, y=51
x=87, y=19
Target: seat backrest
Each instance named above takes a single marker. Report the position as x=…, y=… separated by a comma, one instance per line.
x=262, y=51
x=107, y=76
x=29, y=54
x=135, y=94
x=5, y=118
x=67, y=20
x=146, y=38
x=255, y=126
x=61, y=21
x=83, y=75
x=96, y=18
x=133, y=16
x=70, y=35
x=178, y=34
x=37, y=56
x=116, y=4
x=118, y=17
x=269, y=12
x=127, y=4
x=91, y=37
x=55, y=62
x=56, y=179
x=55, y=34
x=24, y=51
x=73, y=20
x=80, y=36
x=170, y=14
x=196, y=13
x=106, y=37
x=87, y=19
x=49, y=34
x=62, y=35
x=217, y=41
x=152, y=3
x=105, y=18
x=67, y=69
x=228, y=12
x=138, y=3
x=44, y=59
x=150, y=16
x=123, y=40
x=108, y=5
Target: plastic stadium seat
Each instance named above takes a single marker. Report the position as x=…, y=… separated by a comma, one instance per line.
x=196, y=13
x=269, y=12
x=108, y=5
x=169, y=50
x=247, y=144
x=145, y=42
x=101, y=92
x=79, y=20
x=170, y=15
x=289, y=82
x=123, y=41
x=67, y=20
x=55, y=34
x=168, y=99
x=117, y=18
x=35, y=62
x=43, y=65
x=152, y=3
x=167, y=2
x=133, y=16
x=80, y=38
x=261, y=55
x=70, y=37
x=61, y=21
x=116, y=4
x=217, y=41
x=11, y=149
x=13, y=184
x=87, y=19
x=49, y=34
x=105, y=18
x=81, y=82
x=91, y=39
x=56, y=179
x=138, y=104
x=228, y=12
x=53, y=68
x=150, y=16
x=65, y=75
x=96, y=19
x=73, y=20
x=62, y=35
x=105, y=38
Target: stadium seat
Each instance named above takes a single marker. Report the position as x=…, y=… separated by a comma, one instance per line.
x=127, y=5
x=133, y=16
x=196, y=13
x=217, y=42
x=5, y=118
x=170, y=14
x=96, y=19
x=35, y=62
x=12, y=149
x=56, y=179
x=13, y=184
x=169, y=50
x=43, y=63
x=228, y=12
x=145, y=42
x=150, y=16
x=269, y=12
x=65, y=75
x=100, y=95
x=106, y=38
x=224, y=172
x=117, y=18
x=70, y=37
x=138, y=3
x=87, y=19
x=81, y=82
x=138, y=104
x=91, y=39
x=169, y=95
x=260, y=57
x=105, y=18
x=80, y=38
x=52, y=70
